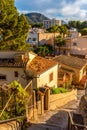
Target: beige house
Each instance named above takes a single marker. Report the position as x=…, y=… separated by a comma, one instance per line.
x=42, y=71
x=12, y=67
x=40, y=38
x=71, y=37
x=24, y=66
x=79, y=46
x=75, y=66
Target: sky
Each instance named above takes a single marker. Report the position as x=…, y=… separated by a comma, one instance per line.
x=59, y=9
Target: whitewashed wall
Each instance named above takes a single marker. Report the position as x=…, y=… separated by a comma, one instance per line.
x=9, y=72
x=43, y=79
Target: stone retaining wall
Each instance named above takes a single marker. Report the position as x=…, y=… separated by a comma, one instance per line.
x=59, y=100
x=12, y=125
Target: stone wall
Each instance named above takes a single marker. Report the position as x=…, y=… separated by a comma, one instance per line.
x=12, y=125
x=59, y=100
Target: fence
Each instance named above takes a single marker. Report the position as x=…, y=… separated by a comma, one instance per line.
x=12, y=124
x=36, y=108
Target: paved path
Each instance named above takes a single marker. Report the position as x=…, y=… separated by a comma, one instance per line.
x=57, y=119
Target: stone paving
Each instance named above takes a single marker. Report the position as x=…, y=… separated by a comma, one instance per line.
x=57, y=119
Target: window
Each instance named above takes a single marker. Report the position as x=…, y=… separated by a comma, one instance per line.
x=74, y=44
x=51, y=77
x=16, y=73
x=34, y=39
x=2, y=77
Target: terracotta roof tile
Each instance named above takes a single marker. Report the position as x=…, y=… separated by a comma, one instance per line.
x=71, y=61
x=40, y=64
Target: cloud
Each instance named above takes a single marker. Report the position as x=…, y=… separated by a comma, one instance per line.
x=42, y=1
x=51, y=11
x=69, y=10
x=76, y=9
x=23, y=11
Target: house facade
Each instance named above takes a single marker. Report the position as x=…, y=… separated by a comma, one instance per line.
x=51, y=22
x=42, y=71
x=27, y=66
x=40, y=38
x=79, y=46
x=70, y=38
x=74, y=65
x=12, y=67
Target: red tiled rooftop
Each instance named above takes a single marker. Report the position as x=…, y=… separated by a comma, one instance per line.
x=40, y=64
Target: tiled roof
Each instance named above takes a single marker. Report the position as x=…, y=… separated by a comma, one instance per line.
x=11, y=63
x=71, y=61
x=40, y=64
x=65, y=70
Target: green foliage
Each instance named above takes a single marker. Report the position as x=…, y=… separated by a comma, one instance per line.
x=53, y=29
x=20, y=109
x=13, y=27
x=58, y=29
x=84, y=31
x=59, y=41
x=72, y=24
x=77, y=24
x=18, y=102
x=58, y=90
x=44, y=50
x=5, y=116
x=19, y=91
x=35, y=18
x=63, y=29
x=37, y=25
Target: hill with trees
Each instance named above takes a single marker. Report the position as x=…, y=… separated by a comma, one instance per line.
x=35, y=17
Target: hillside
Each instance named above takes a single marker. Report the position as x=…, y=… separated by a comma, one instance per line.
x=36, y=17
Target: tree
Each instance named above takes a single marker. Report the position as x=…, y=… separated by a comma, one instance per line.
x=63, y=29
x=13, y=27
x=44, y=50
x=72, y=24
x=58, y=29
x=15, y=103
x=78, y=25
x=84, y=24
x=37, y=25
x=84, y=31
x=54, y=29
x=59, y=41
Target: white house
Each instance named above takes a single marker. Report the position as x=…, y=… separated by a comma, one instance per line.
x=24, y=66
x=12, y=67
x=42, y=71
x=40, y=38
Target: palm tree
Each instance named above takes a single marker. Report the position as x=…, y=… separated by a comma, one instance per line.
x=59, y=41
x=44, y=50
x=63, y=30
x=54, y=29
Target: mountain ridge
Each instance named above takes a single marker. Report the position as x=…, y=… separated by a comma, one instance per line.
x=34, y=17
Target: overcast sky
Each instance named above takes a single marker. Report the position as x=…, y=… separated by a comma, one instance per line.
x=59, y=9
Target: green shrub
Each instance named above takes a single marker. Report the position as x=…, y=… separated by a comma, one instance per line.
x=5, y=116
x=58, y=90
